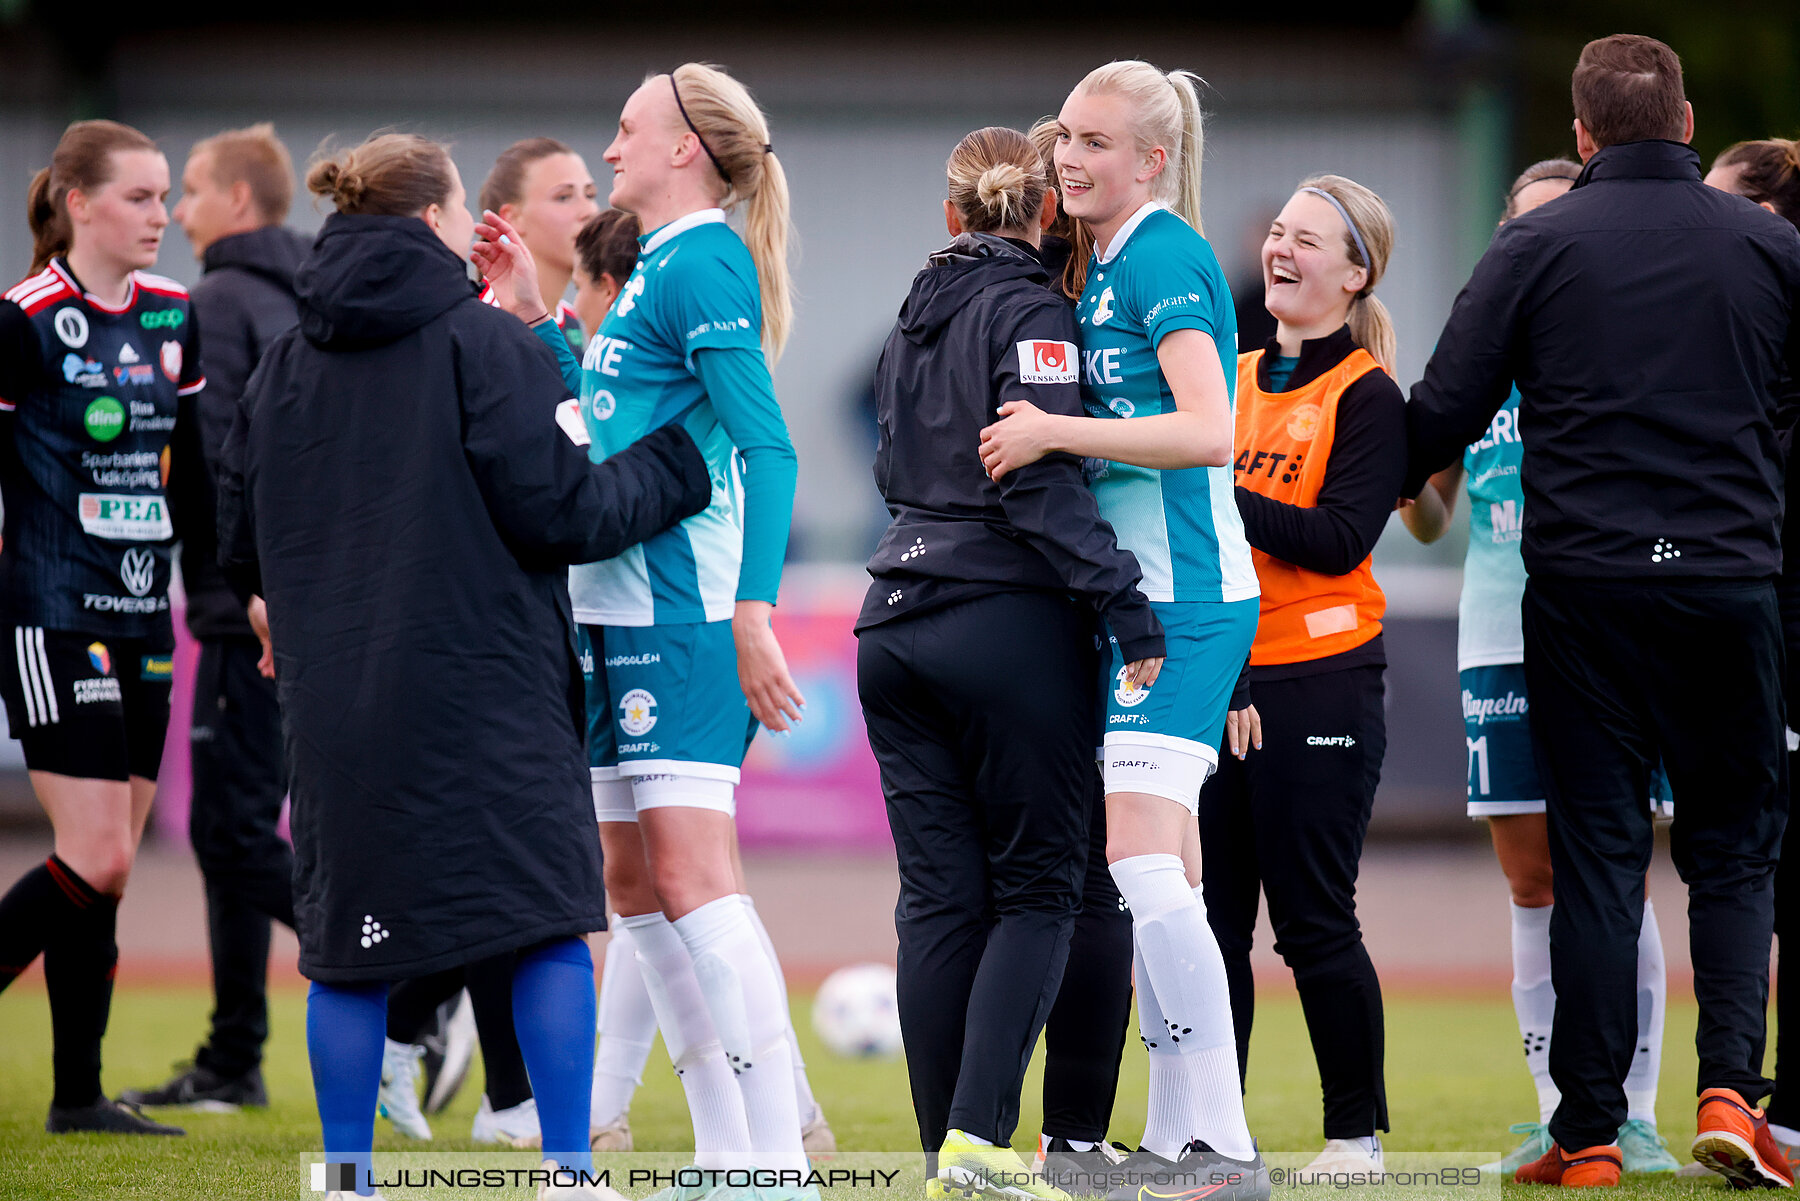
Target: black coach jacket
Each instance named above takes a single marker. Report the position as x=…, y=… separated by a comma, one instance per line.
x=979, y=328
x=244, y=301
x=1648, y=321
x=396, y=486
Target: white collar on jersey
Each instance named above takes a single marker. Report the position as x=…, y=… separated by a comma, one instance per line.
x=1127, y=229
x=681, y=225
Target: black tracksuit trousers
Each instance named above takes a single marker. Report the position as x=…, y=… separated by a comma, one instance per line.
x=1621, y=672
x=1288, y=822
x=983, y=717
x=239, y=783
x=1084, y=1040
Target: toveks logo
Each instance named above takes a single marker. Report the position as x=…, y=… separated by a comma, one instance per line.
x=137, y=570
x=1047, y=362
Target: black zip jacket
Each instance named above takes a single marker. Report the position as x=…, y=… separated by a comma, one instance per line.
x=395, y=484
x=982, y=327
x=1646, y=318
x=245, y=300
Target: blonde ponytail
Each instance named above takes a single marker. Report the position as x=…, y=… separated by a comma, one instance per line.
x=1370, y=229
x=1166, y=112
x=734, y=133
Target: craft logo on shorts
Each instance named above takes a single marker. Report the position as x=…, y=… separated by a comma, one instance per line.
x=125, y=518
x=104, y=419
x=137, y=570
x=1047, y=362
x=637, y=712
x=100, y=657
x=72, y=327
x=171, y=356
x=1303, y=423
x=1128, y=693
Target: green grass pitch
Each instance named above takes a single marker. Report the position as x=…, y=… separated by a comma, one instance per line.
x=1455, y=1081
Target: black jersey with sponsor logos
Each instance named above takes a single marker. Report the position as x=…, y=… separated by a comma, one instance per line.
x=88, y=399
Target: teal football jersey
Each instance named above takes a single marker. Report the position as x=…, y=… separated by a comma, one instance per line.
x=1160, y=276
x=1488, y=625
x=694, y=288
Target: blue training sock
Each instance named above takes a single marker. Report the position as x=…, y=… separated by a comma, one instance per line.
x=553, y=1016
x=345, y=1026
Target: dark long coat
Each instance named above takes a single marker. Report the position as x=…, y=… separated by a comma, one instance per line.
x=398, y=489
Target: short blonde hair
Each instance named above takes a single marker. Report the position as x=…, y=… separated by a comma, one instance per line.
x=257, y=157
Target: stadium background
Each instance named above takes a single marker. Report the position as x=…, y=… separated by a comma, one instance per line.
x=1435, y=105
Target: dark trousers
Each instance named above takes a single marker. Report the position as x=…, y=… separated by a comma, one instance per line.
x=1084, y=1039
x=1619, y=674
x=1288, y=821
x=983, y=717
x=239, y=782
x=1784, y=1106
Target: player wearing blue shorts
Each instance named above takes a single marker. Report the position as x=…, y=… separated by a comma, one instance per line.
x=1503, y=779
x=685, y=663
x=1158, y=349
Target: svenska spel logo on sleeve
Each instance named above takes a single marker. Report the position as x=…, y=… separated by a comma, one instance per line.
x=1046, y=362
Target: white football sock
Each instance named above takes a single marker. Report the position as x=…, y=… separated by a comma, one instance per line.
x=1784, y=1134
x=1184, y=1013
x=627, y=1027
x=1652, y=1000
x=745, y=1002
x=803, y=1094
x=1534, y=999
x=721, y=1131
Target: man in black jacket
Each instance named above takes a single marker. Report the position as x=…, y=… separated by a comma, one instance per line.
x=236, y=189
x=1646, y=320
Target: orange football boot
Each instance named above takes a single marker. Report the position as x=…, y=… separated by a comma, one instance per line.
x=1594, y=1167
x=1735, y=1142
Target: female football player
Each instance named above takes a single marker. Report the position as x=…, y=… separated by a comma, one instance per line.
x=674, y=623
x=95, y=354
x=1158, y=339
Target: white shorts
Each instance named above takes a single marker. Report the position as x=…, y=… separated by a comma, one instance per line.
x=617, y=797
x=1158, y=764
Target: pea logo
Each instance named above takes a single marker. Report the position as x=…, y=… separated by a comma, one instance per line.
x=104, y=419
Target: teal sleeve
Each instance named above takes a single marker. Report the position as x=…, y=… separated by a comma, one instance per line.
x=743, y=397
x=551, y=335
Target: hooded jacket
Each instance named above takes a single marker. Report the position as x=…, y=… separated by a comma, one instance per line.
x=244, y=301
x=396, y=486
x=982, y=327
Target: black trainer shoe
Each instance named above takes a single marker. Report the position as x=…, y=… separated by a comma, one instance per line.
x=1200, y=1173
x=1091, y=1173
x=104, y=1117
x=202, y=1089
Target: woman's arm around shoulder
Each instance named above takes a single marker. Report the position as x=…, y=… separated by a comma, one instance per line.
x=546, y=498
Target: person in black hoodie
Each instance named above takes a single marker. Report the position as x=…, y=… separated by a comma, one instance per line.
x=235, y=193
x=397, y=487
x=978, y=659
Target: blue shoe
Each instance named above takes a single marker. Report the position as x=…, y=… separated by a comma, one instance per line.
x=1645, y=1150
x=1537, y=1142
